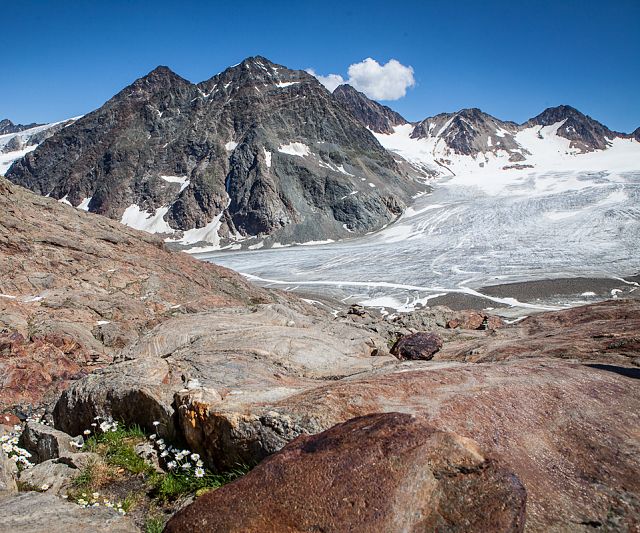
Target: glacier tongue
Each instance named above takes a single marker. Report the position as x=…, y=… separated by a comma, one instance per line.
x=470, y=233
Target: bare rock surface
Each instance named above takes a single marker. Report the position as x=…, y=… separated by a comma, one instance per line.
x=77, y=288
x=34, y=512
x=384, y=472
x=239, y=385
x=608, y=331
x=254, y=355
x=57, y=477
x=8, y=474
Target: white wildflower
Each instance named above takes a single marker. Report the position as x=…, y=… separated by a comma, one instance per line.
x=199, y=472
x=156, y=423
x=195, y=457
x=45, y=487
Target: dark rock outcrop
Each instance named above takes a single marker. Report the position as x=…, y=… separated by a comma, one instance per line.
x=470, y=132
x=383, y=472
x=375, y=116
x=267, y=150
x=585, y=133
x=417, y=346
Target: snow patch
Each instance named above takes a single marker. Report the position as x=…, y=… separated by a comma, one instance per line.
x=295, y=148
x=136, y=218
x=84, y=205
x=267, y=157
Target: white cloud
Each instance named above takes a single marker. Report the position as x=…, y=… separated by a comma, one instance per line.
x=330, y=82
x=380, y=82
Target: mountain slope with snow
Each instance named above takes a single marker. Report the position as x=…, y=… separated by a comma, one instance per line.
x=258, y=152
x=17, y=140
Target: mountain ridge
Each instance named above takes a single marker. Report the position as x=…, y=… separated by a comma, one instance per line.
x=263, y=152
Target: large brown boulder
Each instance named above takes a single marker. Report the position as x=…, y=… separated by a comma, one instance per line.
x=417, y=346
x=568, y=431
x=384, y=472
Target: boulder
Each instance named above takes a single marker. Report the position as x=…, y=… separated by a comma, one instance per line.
x=417, y=346
x=568, y=431
x=45, y=442
x=384, y=472
x=51, y=476
x=35, y=512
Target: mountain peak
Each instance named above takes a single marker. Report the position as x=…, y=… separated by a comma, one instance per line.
x=375, y=116
x=585, y=133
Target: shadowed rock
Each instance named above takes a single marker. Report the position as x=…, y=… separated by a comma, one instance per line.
x=384, y=472
x=417, y=346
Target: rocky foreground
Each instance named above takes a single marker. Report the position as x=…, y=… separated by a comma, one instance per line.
x=435, y=421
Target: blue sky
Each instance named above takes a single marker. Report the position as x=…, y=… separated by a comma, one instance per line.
x=510, y=58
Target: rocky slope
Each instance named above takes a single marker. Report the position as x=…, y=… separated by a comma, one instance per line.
x=76, y=288
x=18, y=140
x=250, y=394
x=375, y=116
x=256, y=151
x=469, y=132
x=585, y=133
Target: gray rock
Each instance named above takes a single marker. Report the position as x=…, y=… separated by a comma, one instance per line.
x=231, y=358
x=375, y=116
x=34, y=512
x=8, y=473
x=55, y=476
x=149, y=454
x=45, y=442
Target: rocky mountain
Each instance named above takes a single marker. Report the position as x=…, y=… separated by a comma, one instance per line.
x=6, y=126
x=469, y=139
x=585, y=133
x=256, y=151
x=375, y=116
x=469, y=132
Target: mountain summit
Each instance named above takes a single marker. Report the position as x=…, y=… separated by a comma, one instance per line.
x=258, y=150
x=585, y=133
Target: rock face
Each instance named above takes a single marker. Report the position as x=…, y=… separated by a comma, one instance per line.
x=384, y=472
x=606, y=332
x=6, y=126
x=33, y=512
x=585, y=133
x=417, y=346
x=258, y=150
x=236, y=356
x=470, y=132
x=375, y=116
x=76, y=288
